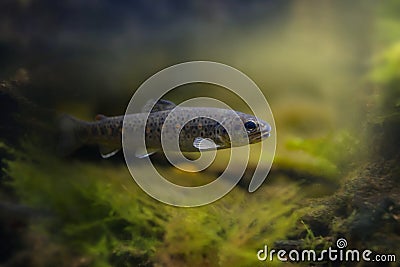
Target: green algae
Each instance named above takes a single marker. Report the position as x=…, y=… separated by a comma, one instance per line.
x=96, y=211
x=232, y=230
x=90, y=208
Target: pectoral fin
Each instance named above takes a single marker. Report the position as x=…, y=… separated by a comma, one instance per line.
x=204, y=144
x=107, y=151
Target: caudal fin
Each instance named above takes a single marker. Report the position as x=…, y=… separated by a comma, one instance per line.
x=70, y=135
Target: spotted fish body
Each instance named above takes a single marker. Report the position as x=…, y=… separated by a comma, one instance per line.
x=201, y=125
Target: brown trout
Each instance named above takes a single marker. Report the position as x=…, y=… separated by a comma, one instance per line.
x=199, y=133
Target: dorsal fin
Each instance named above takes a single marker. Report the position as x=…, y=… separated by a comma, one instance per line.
x=100, y=117
x=161, y=105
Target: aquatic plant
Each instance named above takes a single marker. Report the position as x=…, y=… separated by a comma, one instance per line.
x=96, y=211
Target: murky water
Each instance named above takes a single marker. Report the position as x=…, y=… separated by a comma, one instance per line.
x=328, y=70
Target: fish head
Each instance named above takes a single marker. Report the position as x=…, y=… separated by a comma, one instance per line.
x=244, y=129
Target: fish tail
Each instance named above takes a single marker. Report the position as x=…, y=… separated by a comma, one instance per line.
x=70, y=135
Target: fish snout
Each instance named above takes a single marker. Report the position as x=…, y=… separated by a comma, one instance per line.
x=265, y=130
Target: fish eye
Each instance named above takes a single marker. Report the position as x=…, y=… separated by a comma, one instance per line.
x=250, y=126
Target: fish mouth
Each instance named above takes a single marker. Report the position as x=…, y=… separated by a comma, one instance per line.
x=264, y=133
x=257, y=137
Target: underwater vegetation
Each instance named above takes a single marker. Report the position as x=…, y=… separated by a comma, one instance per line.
x=76, y=212
x=98, y=217
x=367, y=206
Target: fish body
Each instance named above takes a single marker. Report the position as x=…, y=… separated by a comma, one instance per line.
x=199, y=128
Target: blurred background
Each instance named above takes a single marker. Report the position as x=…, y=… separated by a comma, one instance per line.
x=329, y=70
